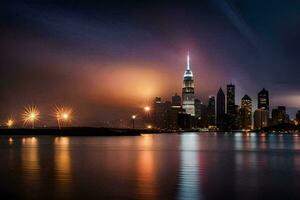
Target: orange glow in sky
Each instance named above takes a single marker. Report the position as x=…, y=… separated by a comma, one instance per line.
x=132, y=86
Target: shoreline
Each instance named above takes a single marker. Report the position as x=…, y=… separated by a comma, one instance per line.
x=70, y=131
x=101, y=131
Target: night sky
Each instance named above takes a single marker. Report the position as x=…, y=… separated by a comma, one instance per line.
x=111, y=58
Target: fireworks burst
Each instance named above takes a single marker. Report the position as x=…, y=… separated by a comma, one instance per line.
x=30, y=115
x=62, y=115
x=9, y=123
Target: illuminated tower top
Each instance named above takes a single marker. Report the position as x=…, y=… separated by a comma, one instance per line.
x=188, y=74
x=188, y=95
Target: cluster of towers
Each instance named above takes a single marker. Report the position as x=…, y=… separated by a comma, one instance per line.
x=220, y=113
x=233, y=117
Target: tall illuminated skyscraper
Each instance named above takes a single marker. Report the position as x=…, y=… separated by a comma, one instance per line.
x=246, y=112
x=231, y=99
x=188, y=94
x=263, y=100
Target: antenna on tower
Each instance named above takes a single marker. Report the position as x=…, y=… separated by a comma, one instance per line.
x=188, y=61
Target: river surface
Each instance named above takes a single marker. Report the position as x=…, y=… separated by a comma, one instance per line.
x=159, y=166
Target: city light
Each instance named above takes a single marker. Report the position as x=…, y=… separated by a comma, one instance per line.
x=147, y=109
x=30, y=115
x=62, y=115
x=9, y=123
x=10, y=140
x=133, y=119
x=149, y=126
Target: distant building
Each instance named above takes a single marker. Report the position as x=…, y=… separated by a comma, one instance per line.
x=188, y=95
x=211, y=111
x=298, y=117
x=200, y=114
x=173, y=117
x=198, y=104
x=159, y=113
x=279, y=115
x=275, y=116
x=231, y=99
x=282, y=114
x=176, y=101
x=184, y=121
x=246, y=112
x=167, y=116
x=263, y=100
x=203, y=123
x=287, y=119
x=260, y=118
x=220, y=107
x=232, y=117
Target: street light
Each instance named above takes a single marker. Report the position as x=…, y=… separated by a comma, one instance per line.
x=147, y=109
x=133, y=118
x=147, y=114
x=30, y=115
x=9, y=123
x=63, y=115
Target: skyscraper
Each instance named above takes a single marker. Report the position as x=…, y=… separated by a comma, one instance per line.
x=211, y=111
x=231, y=99
x=263, y=99
x=279, y=115
x=246, y=112
x=198, y=104
x=176, y=101
x=298, y=117
x=220, y=107
x=282, y=114
x=275, y=115
x=159, y=113
x=188, y=95
x=261, y=117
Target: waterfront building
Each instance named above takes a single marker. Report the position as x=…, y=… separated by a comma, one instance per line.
x=261, y=117
x=204, y=116
x=159, y=113
x=246, y=112
x=231, y=99
x=188, y=94
x=279, y=115
x=176, y=101
x=274, y=116
x=282, y=114
x=166, y=116
x=211, y=111
x=220, y=107
x=173, y=120
x=263, y=99
x=198, y=104
x=298, y=117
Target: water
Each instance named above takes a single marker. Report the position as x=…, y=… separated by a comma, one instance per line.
x=163, y=166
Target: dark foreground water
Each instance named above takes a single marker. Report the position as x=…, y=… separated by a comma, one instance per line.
x=167, y=166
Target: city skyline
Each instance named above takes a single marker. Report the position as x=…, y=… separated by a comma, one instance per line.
x=60, y=54
x=150, y=99
x=188, y=105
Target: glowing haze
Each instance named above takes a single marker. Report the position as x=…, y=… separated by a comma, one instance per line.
x=109, y=60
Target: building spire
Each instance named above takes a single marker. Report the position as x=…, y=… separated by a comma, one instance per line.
x=188, y=61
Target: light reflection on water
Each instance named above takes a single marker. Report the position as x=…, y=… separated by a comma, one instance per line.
x=30, y=160
x=189, y=183
x=146, y=178
x=62, y=166
x=159, y=166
